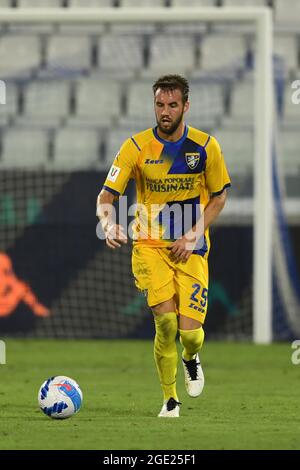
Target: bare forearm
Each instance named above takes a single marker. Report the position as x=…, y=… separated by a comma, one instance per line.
x=211, y=212
x=183, y=248
x=213, y=209
x=105, y=208
x=114, y=233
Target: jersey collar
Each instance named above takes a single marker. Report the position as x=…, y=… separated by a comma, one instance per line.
x=167, y=142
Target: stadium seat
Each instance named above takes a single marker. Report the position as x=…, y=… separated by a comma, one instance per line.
x=34, y=27
x=239, y=27
x=170, y=52
x=45, y=103
x=190, y=27
x=289, y=146
x=69, y=54
x=98, y=102
x=9, y=110
x=134, y=28
x=206, y=105
x=142, y=3
x=24, y=149
x=237, y=146
x=120, y=55
x=76, y=149
x=19, y=56
x=137, y=28
x=287, y=48
x=90, y=3
x=182, y=28
x=39, y=3
x=86, y=27
x=193, y=3
x=219, y=51
x=242, y=101
x=287, y=13
x=140, y=109
x=244, y=3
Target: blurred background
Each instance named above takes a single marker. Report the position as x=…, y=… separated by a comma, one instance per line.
x=74, y=93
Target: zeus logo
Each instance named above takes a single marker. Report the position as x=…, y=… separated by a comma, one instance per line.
x=148, y=161
x=296, y=94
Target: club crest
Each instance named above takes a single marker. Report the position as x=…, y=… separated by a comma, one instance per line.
x=192, y=159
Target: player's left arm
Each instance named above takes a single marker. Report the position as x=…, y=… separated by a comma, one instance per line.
x=213, y=208
x=217, y=180
x=183, y=247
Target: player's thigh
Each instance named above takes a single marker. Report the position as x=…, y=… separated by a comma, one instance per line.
x=188, y=323
x=153, y=275
x=164, y=307
x=191, y=283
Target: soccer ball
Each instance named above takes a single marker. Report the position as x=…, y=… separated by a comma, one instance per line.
x=60, y=397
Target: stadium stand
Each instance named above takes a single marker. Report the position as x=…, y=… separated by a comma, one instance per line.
x=74, y=94
x=101, y=77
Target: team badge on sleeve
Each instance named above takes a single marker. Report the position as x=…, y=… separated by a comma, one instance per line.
x=192, y=159
x=113, y=173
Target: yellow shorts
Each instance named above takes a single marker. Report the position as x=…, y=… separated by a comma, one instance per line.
x=160, y=278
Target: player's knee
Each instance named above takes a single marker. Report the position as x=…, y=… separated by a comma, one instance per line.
x=166, y=327
x=192, y=340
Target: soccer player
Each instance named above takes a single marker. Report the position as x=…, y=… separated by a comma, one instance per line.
x=180, y=176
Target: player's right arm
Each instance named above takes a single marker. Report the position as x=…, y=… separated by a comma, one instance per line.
x=114, y=233
x=122, y=169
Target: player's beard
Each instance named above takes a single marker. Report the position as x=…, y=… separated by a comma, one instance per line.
x=173, y=128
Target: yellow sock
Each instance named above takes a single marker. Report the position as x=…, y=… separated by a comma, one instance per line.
x=192, y=341
x=165, y=352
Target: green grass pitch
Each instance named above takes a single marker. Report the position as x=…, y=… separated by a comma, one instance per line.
x=250, y=401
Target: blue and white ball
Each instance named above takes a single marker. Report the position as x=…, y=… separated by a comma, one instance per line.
x=60, y=397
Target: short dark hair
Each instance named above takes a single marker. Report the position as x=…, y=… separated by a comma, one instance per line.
x=173, y=82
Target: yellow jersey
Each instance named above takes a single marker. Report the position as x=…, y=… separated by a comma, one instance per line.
x=170, y=178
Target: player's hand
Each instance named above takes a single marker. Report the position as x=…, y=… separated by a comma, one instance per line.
x=115, y=236
x=182, y=249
